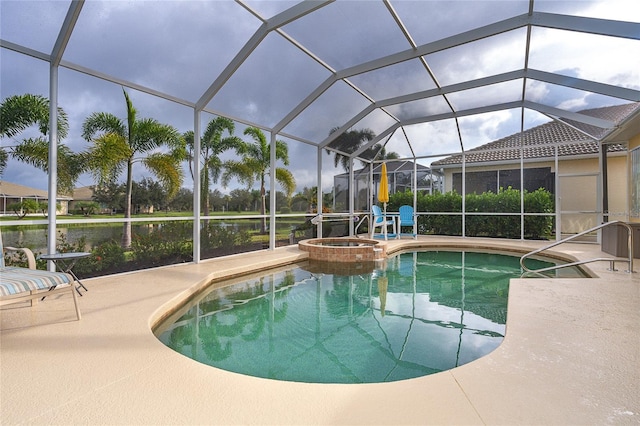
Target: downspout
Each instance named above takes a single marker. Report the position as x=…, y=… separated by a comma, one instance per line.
x=605, y=183
x=558, y=197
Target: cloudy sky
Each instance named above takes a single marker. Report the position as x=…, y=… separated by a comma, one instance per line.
x=179, y=48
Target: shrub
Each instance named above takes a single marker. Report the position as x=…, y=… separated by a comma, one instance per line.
x=539, y=201
x=18, y=258
x=503, y=226
x=87, y=208
x=108, y=256
x=214, y=236
x=27, y=206
x=163, y=245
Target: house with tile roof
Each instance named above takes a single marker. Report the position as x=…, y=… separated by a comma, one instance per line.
x=85, y=194
x=593, y=172
x=400, y=175
x=11, y=193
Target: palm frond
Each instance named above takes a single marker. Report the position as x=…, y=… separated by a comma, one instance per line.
x=285, y=178
x=240, y=170
x=100, y=123
x=108, y=157
x=167, y=170
x=33, y=151
x=4, y=158
x=282, y=152
x=149, y=134
x=19, y=112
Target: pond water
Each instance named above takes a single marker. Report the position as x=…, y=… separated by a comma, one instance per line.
x=35, y=237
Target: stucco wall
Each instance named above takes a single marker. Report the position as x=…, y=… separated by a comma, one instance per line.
x=618, y=187
x=578, y=193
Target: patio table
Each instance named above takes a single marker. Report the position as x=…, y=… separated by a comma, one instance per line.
x=65, y=262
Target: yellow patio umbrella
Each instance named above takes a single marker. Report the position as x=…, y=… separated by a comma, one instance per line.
x=383, y=193
x=383, y=284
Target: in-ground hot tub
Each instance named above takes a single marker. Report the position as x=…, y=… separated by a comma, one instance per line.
x=344, y=249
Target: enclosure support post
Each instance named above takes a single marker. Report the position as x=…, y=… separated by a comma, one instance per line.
x=352, y=195
x=272, y=193
x=53, y=162
x=196, y=186
x=319, y=191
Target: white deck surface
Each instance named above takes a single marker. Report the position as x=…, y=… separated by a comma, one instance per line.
x=571, y=356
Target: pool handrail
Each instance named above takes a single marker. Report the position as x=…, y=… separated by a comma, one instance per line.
x=355, y=231
x=612, y=260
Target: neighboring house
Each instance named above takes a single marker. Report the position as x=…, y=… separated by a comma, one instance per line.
x=11, y=193
x=400, y=178
x=85, y=194
x=566, y=160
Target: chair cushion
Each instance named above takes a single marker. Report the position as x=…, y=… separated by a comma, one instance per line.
x=14, y=280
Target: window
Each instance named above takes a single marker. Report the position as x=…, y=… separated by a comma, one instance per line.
x=480, y=182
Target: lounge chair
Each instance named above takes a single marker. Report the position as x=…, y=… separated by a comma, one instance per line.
x=19, y=284
x=407, y=218
x=379, y=220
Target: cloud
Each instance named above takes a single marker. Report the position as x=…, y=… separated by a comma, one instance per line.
x=493, y=55
x=429, y=21
x=363, y=31
x=586, y=56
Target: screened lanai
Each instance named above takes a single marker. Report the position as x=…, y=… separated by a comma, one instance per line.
x=429, y=79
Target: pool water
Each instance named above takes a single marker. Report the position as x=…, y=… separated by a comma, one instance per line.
x=422, y=313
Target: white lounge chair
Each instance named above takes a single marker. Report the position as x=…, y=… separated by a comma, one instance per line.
x=19, y=284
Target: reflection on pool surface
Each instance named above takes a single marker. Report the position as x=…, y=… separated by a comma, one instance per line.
x=420, y=313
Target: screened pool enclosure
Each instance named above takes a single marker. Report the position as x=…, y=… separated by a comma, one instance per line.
x=428, y=81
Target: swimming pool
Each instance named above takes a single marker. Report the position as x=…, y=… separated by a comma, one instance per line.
x=418, y=313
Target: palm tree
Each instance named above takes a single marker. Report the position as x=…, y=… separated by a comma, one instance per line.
x=118, y=144
x=212, y=144
x=255, y=164
x=349, y=142
x=308, y=196
x=378, y=152
x=18, y=113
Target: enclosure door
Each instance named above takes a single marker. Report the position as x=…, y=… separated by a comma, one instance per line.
x=578, y=204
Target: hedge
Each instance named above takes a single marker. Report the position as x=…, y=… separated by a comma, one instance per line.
x=502, y=226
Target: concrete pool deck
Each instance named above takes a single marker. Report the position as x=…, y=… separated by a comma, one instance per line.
x=571, y=356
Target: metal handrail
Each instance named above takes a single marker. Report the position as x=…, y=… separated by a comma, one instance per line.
x=595, y=228
x=355, y=231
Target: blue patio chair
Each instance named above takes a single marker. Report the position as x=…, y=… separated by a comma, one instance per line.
x=379, y=220
x=407, y=218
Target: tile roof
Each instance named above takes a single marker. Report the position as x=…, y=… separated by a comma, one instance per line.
x=393, y=166
x=14, y=190
x=83, y=193
x=539, y=141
